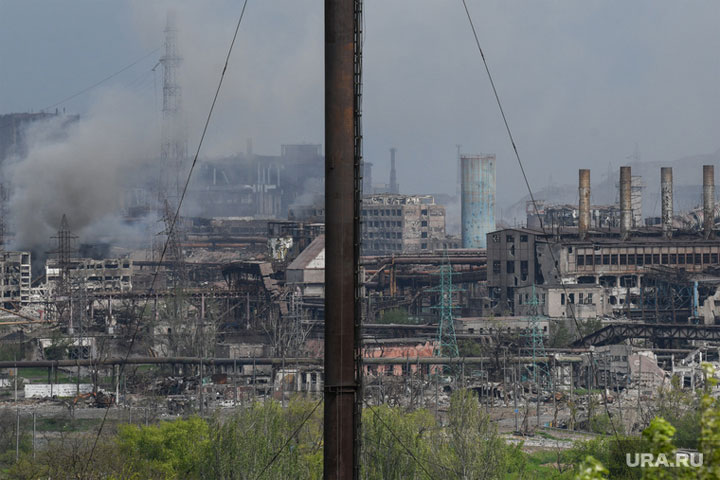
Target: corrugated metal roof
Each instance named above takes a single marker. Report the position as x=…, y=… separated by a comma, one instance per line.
x=309, y=254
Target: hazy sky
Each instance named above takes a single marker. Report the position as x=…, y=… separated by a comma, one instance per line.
x=582, y=81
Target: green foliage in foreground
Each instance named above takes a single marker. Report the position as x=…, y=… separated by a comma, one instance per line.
x=265, y=440
x=659, y=438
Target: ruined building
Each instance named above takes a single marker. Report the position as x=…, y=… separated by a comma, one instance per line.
x=635, y=272
x=400, y=223
x=15, y=278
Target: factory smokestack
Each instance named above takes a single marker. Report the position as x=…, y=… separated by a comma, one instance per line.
x=394, y=187
x=584, y=195
x=477, y=199
x=708, y=199
x=666, y=192
x=626, y=213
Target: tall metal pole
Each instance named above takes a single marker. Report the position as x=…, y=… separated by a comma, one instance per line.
x=342, y=165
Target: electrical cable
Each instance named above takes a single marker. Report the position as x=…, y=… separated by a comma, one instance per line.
x=292, y=435
x=174, y=221
x=397, y=439
x=94, y=85
x=98, y=83
x=532, y=198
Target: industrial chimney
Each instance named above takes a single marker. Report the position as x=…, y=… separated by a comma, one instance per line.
x=394, y=187
x=477, y=201
x=626, y=216
x=708, y=199
x=666, y=192
x=584, y=194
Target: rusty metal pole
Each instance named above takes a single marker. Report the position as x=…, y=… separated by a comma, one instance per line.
x=666, y=192
x=626, y=214
x=708, y=200
x=584, y=194
x=341, y=239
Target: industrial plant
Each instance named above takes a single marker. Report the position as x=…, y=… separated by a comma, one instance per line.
x=196, y=284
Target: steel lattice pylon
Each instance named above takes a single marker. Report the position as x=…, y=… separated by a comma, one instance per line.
x=446, y=339
x=540, y=371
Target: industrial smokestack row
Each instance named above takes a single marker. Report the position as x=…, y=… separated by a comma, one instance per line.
x=477, y=199
x=584, y=195
x=708, y=199
x=666, y=192
x=626, y=214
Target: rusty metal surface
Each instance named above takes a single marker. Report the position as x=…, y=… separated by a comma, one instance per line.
x=708, y=199
x=584, y=195
x=626, y=213
x=666, y=193
x=477, y=199
x=340, y=240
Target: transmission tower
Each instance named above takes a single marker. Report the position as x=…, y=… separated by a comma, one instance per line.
x=173, y=252
x=446, y=339
x=540, y=371
x=174, y=140
x=63, y=257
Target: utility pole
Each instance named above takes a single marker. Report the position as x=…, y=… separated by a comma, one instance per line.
x=343, y=173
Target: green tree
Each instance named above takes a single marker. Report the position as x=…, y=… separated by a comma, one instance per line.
x=395, y=443
x=470, y=446
x=167, y=450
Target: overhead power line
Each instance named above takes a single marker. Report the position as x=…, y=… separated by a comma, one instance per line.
x=530, y=192
x=100, y=82
x=176, y=215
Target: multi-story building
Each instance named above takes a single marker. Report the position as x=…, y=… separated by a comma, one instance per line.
x=15, y=278
x=400, y=223
x=109, y=275
x=602, y=273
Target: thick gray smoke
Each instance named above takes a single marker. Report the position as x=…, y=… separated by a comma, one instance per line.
x=82, y=173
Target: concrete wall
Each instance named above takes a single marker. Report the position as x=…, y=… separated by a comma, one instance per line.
x=45, y=390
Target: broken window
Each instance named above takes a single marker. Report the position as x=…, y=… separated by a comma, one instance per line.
x=581, y=260
x=496, y=266
x=562, y=299
x=523, y=238
x=510, y=267
x=509, y=238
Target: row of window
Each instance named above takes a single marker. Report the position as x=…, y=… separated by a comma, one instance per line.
x=385, y=235
x=510, y=267
x=388, y=212
x=586, y=299
x=648, y=259
x=383, y=212
x=509, y=238
x=381, y=223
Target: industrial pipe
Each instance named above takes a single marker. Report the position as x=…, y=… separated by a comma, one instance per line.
x=626, y=214
x=666, y=192
x=708, y=200
x=584, y=195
